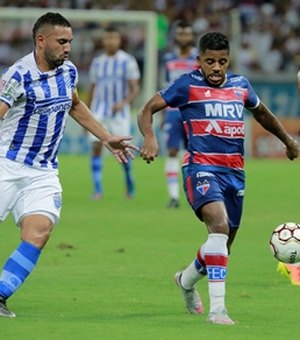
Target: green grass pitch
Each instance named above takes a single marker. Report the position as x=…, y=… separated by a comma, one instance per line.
x=107, y=271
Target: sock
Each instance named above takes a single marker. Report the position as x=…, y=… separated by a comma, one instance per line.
x=18, y=266
x=96, y=168
x=129, y=177
x=216, y=258
x=172, y=172
x=194, y=272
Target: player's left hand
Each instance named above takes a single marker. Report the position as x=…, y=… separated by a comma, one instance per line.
x=120, y=147
x=292, y=149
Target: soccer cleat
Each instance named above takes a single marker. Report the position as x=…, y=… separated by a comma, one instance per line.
x=220, y=318
x=173, y=203
x=4, y=312
x=291, y=271
x=191, y=297
x=97, y=196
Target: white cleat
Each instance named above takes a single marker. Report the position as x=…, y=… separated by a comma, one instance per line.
x=220, y=318
x=191, y=297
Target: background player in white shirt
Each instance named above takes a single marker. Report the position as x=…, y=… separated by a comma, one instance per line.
x=37, y=94
x=114, y=77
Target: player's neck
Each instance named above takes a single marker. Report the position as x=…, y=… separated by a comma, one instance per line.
x=41, y=63
x=185, y=51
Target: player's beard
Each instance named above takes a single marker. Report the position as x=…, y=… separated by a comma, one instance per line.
x=54, y=61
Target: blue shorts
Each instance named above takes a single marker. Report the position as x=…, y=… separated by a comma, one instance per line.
x=174, y=130
x=203, y=186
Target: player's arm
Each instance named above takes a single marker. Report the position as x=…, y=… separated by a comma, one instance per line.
x=134, y=89
x=3, y=109
x=118, y=145
x=298, y=82
x=149, y=149
x=271, y=123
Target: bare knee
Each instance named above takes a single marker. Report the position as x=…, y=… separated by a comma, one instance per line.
x=36, y=229
x=215, y=217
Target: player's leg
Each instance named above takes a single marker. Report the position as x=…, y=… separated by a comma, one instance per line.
x=173, y=129
x=96, y=169
x=36, y=209
x=129, y=181
x=214, y=215
x=121, y=126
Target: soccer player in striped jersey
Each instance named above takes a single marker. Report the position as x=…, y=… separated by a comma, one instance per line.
x=211, y=101
x=181, y=60
x=37, y=94
x=114, y=77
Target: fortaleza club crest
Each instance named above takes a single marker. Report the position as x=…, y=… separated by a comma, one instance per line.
x=202, y=187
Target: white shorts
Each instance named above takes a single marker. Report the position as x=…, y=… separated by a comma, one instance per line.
x=117, y=126
x=25, y=191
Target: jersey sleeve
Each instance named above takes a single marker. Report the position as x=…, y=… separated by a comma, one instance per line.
x=133, y=72
x=252, y=100
x=175, y=93
x=10, y=86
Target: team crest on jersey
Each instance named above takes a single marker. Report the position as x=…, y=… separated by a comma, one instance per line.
x=203, y=187
x=57, y=201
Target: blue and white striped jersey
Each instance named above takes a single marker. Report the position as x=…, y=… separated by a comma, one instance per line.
x=110, y=75
x=33, y=127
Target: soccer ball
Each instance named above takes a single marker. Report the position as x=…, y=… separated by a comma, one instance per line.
x=285, y=242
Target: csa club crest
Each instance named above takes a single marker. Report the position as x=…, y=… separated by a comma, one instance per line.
x=202, y=187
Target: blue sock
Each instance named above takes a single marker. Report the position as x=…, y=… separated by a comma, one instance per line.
x=200, y=268
x=128, y=177
x=16, y=269
x=96, y=167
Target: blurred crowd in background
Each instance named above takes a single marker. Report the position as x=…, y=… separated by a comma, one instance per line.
x=269, y=39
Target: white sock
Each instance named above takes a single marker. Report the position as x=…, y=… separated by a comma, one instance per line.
x=172, y=174
x=191, y=275
x=216, y=256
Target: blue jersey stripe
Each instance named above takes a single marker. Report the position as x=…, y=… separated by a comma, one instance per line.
x=38, y=139
x=52, y=145
x=61, y=85
x=114, y=75
x=19, y=135
x=124, y=82
x=45, y=85
x=106, y=92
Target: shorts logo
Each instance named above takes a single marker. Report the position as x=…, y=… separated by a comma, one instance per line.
x=203, y=187
x=57, y=201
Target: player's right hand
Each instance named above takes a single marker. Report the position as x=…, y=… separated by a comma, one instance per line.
x=292, y=149
x=149, y=149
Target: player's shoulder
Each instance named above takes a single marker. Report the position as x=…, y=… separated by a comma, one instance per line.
x=170, y=55
x=121, y=54
x=19, y=67
x=237, y=79
x=70, y=65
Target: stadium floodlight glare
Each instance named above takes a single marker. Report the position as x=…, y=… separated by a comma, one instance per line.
x=146, y=18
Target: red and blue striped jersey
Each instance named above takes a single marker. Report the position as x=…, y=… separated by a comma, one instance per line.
x=213, y=118
x=175, y=65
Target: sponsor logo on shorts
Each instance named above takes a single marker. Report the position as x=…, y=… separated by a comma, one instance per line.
x=57, y=201
x=240, y=193
x=203, y=187
x=204, y=174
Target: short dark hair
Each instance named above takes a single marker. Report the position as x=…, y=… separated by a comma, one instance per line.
x=183, y=24
x=53, y=19
x=112, y=29
x=213, y=41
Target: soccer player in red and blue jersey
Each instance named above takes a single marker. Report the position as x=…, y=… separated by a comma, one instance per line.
x=211, y=101
x=181, y=60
